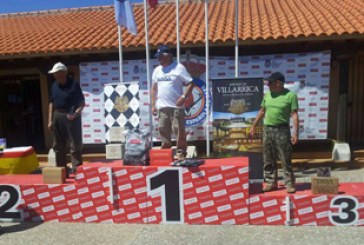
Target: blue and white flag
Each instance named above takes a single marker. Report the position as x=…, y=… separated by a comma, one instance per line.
x=124, y=15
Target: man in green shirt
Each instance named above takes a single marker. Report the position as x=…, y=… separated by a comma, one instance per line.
x=277, y=107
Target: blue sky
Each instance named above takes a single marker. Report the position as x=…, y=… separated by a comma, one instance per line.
x=14, y=6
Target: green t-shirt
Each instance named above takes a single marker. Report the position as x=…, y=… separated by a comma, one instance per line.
x=278, y=107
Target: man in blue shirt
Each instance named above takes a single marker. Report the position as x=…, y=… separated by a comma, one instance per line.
x=64, y=119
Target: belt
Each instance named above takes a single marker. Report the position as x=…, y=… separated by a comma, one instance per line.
x=61, y=110
x=282, y=125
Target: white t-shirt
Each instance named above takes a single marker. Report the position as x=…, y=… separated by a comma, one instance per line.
x=170, y=81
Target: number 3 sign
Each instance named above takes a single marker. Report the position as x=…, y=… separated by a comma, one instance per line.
x=347, y=207
x=10, y=197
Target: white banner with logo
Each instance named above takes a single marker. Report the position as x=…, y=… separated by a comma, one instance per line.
x=307, y=74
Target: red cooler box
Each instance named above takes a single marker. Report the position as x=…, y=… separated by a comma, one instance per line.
x=161, y=157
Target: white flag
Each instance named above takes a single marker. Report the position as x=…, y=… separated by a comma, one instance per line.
x=124, y=15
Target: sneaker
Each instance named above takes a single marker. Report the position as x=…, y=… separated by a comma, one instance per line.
x=270, y=187
x=291, y=189
x=181, y=155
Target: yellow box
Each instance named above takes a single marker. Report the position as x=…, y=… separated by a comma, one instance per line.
x=18, y=160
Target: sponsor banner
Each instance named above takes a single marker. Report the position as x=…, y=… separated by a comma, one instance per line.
x=236, y=103
x=307, y=74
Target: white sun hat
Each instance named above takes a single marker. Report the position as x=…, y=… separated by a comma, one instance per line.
x=58, y=67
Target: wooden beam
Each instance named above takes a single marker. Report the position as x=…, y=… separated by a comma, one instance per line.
x=17, y=72
x=333, y=99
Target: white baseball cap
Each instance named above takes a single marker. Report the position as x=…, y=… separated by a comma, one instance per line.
x=58, y=67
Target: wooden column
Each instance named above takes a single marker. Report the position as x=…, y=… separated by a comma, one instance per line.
x=44, y=89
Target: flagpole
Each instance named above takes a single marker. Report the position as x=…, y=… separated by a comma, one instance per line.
x=121, y=73
x=177, y=28
x=236, y=38
x=148, y=69
x=207, y=122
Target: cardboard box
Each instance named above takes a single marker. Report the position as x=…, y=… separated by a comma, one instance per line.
x=115, y=151
x=324, y=185
x=54, y=175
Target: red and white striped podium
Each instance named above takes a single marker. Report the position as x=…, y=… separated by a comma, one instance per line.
x=217, y=192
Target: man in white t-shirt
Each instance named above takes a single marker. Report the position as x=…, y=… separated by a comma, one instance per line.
x=168, y=98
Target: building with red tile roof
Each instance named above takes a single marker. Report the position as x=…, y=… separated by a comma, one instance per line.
x=31, y=42
x=93, y=29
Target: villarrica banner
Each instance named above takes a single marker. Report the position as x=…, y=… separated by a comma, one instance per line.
x=236, y=103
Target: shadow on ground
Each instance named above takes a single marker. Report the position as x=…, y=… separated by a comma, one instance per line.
x=17, y=227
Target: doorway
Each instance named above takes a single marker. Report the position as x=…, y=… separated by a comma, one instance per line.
x=355, y=100
x=21, y=112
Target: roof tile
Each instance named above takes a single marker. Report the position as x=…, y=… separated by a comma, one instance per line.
x=85, y=29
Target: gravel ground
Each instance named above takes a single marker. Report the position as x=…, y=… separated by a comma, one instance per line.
x=72, y=233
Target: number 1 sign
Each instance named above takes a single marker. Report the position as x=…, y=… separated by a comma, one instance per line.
x=168, y=183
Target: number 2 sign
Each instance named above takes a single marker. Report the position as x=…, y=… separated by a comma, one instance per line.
x=10, y=197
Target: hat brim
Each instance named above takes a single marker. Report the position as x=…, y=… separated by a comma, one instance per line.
x=270, y=80
x=157, y=55
x=56, y=70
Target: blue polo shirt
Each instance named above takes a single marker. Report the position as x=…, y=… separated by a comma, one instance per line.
x=67, y=95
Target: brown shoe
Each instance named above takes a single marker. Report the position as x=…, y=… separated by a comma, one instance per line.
x=291, y=189
x=270, y=187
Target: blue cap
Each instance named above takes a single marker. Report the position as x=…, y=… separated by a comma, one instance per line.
x=163, y=49
x=275, y=76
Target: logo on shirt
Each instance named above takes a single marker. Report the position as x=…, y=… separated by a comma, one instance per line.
x=195, y=105
x=164, y=79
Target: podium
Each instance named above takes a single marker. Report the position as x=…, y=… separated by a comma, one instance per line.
x=217, y=192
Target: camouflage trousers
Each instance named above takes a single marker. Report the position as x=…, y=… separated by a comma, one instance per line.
x=168, y=116
x=277, y=146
